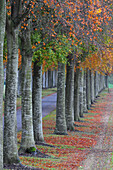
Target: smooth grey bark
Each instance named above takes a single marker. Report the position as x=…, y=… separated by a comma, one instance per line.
x=37, y=103
x=61, y=127
x=2, y=32
x=81, y=79
x=10, y=122
x=103, y=78
x=106, y=81
x=19, y=83
x=73, y=101
x=69, y=93
x=43, y=80
x=88, y=89
x=101, y=82
x=92, y=86
x=54, y=78
x=76, y=94
x=50, y=78
x=27, y=140
x=46, y=79
x=84, y=94
x=96, y=84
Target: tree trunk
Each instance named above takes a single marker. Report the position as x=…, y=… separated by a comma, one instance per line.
x=2, y=32
x=27, y=140
x=81, y=92
x=92, y=86
x=96, y=84
x=37, y=103
x=88, y=90
x=106, y=81
x=103, y=80
x=46, y=79
x=84, y=94
x=76, y=95
x=61, y=127
x=10, y=122
x=50, y=78
x=54, y=77
x=19, y=83
x=69, y=94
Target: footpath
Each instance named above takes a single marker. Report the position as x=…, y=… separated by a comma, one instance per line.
x=101, y=155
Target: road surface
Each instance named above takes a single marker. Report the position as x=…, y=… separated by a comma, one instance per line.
x=48, y=105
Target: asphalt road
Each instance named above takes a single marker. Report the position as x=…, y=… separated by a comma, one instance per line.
x=48, y=105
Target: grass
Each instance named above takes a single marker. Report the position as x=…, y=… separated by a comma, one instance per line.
x=110, y=85
x=46, y=92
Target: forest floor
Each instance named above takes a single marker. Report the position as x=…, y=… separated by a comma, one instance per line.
x=89, y=147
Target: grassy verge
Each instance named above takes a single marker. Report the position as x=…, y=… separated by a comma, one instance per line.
x=46, y=92
x=72, y=149
x=110, y=85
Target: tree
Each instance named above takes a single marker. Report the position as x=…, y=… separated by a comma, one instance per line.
x=84, y=94
x=2, y=33
x=92, y=86
x=81, y=92
x=61, y=128
x=37, y=102
x=76, y=93
x=88, y=89
x=41, y=37
x=10, y=143
x=27, y=140
x=69, y=92
x=16, y=12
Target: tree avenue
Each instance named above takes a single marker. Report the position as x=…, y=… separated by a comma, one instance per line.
x=76, y=37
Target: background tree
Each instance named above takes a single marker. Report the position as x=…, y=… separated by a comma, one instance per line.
x=2, y=33
x=69, y=92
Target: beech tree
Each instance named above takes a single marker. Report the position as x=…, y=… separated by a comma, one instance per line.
x=37, y=102
x=81, y=92
x=27, y=140
x=84, y=94
x=69, y=92
x=61, y=127
x=76, y=94
x=16, y=12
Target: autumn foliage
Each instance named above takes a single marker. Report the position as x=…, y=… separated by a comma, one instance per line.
x=81, y=22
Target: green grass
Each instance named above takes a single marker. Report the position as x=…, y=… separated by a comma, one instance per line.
x=46, y=92
x=110, y=85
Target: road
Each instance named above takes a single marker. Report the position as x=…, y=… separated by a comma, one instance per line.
x=48, y=105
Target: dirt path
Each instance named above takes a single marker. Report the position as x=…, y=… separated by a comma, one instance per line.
x=101, y=155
